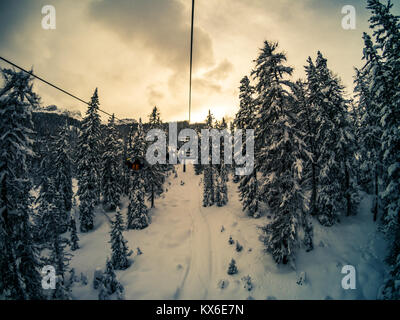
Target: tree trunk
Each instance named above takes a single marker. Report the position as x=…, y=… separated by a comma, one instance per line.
x=376, y=206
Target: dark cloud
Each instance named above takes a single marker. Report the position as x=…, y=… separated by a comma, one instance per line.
x=14, y=15
x=163, y=26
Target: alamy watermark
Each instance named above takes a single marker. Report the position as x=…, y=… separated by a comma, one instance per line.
x=48, y=277
x=49, y=20
x=349, y=280
x=232, y=147
x=349, y=20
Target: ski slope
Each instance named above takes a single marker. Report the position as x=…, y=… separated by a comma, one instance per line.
x=186, y=254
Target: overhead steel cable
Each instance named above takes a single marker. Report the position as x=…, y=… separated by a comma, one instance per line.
x=53, y=85
x=191, y=61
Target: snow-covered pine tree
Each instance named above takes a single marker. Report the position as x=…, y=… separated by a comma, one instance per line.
x=281, y=152
x=245, y=116
x=198, y=167
x=137, y=217
x=89, y=164
x=337, y=192
x=221, y=174
x=155, y=174
x=208, y=185
x=63, y=173
x=155, y=118
x=109, y=284
x=369, y=132
x=386, y=31
x=209, y=175
x=248, y=187
x=249, y=194
x=126, y=172
x=19, y=274
x=111, y=173
x=120, y=251
x=232, y=269
x=305, y=122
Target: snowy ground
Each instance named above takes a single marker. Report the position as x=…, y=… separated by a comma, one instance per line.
x=185, y=254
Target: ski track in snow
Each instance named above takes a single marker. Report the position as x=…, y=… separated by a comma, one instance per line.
x=198, y=273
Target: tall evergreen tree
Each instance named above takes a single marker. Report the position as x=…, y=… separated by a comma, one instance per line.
x=384, y=85
x=120, y=251
x=89, y=164
x=221, y=188
x=111, y=173
x=126, y=179
x=281, y=152
x=334, y=136
x=137, y=210
x=63, y=173
x=369, y=132
x=248, y=187
x=306, y=123
x=19, y=275
x=155, y=119
x=155, y=174
x=209, y=175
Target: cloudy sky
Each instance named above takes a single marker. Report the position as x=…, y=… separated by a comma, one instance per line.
x=137, y=51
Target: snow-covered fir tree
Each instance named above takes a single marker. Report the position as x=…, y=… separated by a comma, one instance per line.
x=120, y=251
x=19, y=274
x=63, y=172
x=245, y=116
x=126, y=171
x=244, y=119
x=109, y=283
x=155, y=118
x=281, y=153
x=198, y=167
x=89, y=164
x=334, y=136
x=208, y=185
x=209, y=174
x=137, y=216
x=155, y=174
x=369, y=132
x=384, y=62
x=305, y=123
x=232, y=269
x=221, y=188
x=111, y=168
